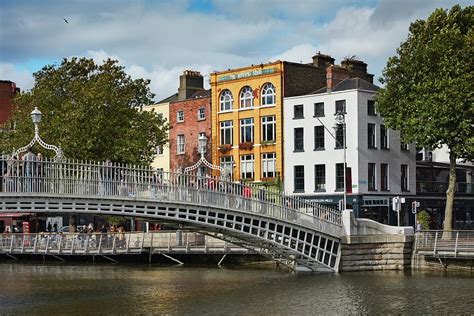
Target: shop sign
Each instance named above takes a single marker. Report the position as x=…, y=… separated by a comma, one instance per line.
x=253, y=73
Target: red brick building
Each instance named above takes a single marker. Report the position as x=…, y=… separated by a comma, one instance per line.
x=8, y=91
x=190, y=117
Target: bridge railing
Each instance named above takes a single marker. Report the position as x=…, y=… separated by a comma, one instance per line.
x=87, y=178
x=438, y=243
x=113, y=243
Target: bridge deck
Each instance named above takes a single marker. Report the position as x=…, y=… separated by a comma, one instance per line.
x=440, y=244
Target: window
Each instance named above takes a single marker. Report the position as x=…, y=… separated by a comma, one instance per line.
x=404, y=147
x=299, y=178
x=383, y=137
x=339, y=177
x=299, y=139
x=201, y=114
x=371, y=176
x=268, y=165
x=319, y=109
x=226, y=133
x=268, y=128
x=226, y=100
x=180, y=145
x=371, y=135
x=383, y=177
x=341, y=106
x=246, y=167
x=227, y=163
x=404, y=177
x=319, y=138
x=246, y=97
x=340, y=131
x=180, y=116
x=246, y=130
x=371, y=107
x=268, y=94
x=159, y=150
x=320, y=177
x=298, y=111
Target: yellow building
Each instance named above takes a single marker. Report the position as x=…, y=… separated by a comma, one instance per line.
x=247, y=109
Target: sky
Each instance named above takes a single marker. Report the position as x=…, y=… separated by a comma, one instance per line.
x=159, y=39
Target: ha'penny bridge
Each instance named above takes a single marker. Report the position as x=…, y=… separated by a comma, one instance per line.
x=295, y=232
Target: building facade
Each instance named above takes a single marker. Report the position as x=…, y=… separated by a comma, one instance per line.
x=247, y=114
x=190, y=117
x=378, y=167
x=161, y=160
x=8, y=91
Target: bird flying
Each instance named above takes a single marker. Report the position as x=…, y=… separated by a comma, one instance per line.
x=66, y=21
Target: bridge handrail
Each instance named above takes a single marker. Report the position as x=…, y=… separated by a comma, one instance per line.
x=89, y=178
x=447, y=243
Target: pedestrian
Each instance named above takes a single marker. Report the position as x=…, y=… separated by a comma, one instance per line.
x=29, y=169
x=418, y=226
x=55, y=227
x=49, y=228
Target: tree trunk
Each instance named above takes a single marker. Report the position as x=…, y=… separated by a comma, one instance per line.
x=448, y=212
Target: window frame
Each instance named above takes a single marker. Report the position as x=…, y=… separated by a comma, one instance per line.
x=178, y=144
x=227, y=161
x=339, y=184
x=319, y=186
x=245, y=95
x=243, y=129
x=266, y=163
x=319, y=138
x=371, y=179
x=384, y=177
x=298, y=182
x=371, y=111
x=201, y=114
x=371, y=138
x=244, y=163
x=404, y=181
x=338, y=102
x=265, y=122
x=384, y=137
x=223, y=130
x=268, y=92
x=180, y=116
x=224, y=103
x=316, y=113
x=299, y=107
x=295, y=148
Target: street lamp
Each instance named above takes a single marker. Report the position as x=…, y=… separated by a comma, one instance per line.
x=202, y=143
x=340, y=119
x=36, y=118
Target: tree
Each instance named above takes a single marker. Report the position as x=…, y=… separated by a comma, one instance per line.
x=92, y=111
x=429, y=86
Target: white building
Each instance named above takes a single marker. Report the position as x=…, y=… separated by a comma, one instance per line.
x=378, y=167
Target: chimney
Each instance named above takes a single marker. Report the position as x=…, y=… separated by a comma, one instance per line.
x=322, y=61
x=358, y=69
x=189, y=83
x=335, y=75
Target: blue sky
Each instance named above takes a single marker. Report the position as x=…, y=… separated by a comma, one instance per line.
x=159, y=39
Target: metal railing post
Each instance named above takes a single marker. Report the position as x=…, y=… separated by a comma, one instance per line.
x=456, y=244
x=435, y=242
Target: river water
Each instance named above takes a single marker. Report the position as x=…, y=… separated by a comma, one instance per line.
x=79, y=289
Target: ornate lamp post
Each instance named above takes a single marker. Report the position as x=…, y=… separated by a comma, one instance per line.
x=36, y=118
x=340, y=119
x=202, y=143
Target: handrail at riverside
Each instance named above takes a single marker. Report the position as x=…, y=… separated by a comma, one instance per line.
x=114, y=243
x=105, y=179
x=439, y=243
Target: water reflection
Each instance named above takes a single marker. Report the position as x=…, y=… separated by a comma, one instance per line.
x=138, y=289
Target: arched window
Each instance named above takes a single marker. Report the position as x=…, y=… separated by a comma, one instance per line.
x=226, y=100
x=246, y=97
x=268, y=94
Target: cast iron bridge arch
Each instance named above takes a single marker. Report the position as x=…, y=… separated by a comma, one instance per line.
x=287, y=229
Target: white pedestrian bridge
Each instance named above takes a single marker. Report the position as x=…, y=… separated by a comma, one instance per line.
x=296, y=232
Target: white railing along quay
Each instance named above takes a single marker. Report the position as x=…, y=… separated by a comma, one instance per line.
x=438, y=243
x=115, y=243
x=105, y=179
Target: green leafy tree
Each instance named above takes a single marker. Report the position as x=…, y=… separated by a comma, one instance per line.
x=429, y=86
x=92, y=111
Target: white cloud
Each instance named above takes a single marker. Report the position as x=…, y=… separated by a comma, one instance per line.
x=23, y=78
